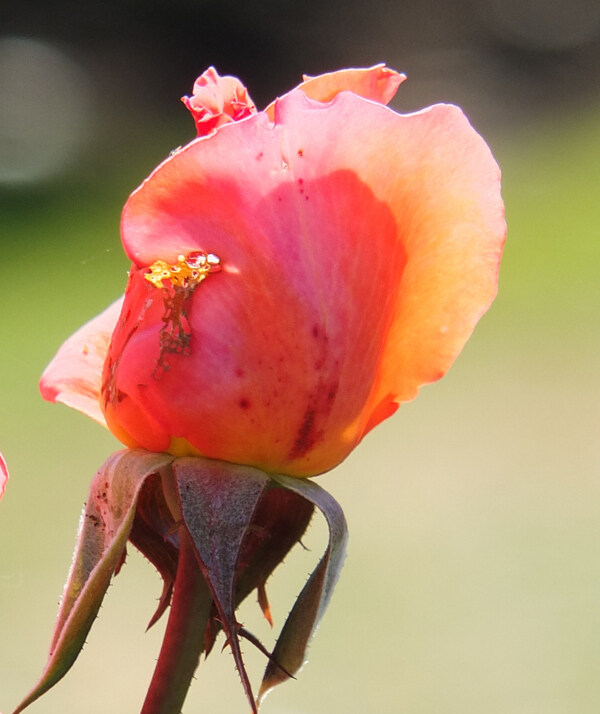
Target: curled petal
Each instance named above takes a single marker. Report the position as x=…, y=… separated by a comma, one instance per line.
x=74, y=376
x=218, y=100
x=446, y=197
x=378, y=83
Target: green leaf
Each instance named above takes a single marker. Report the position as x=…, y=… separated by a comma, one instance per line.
x=290, y=650
x=104, y=528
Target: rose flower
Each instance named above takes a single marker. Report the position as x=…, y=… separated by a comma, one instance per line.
x=296, y=274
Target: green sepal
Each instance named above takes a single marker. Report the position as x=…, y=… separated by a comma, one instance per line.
x=290, y=650
x=239, y=522
x=104, y=528
x=217, y=503
x=154, y=534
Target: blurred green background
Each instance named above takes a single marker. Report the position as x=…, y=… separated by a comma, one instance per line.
x=473, y=577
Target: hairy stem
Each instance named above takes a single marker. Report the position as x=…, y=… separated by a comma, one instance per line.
x=184, y=636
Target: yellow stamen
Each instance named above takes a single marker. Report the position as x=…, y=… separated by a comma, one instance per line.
x=188, y=272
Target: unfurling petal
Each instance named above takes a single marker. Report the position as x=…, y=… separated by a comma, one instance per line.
x=218, y=100
x=74, y=377
x=378, y=83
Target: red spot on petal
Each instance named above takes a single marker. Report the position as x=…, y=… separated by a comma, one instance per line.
x=306, y=435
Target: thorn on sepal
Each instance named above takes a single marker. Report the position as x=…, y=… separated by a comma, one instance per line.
x=263, y=602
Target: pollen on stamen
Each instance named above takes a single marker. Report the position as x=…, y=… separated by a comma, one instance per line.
x=188, y=272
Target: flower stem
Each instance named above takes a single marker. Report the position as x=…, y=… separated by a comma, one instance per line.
x=184, y=636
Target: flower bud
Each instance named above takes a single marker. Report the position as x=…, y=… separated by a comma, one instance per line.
x=296, y=274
